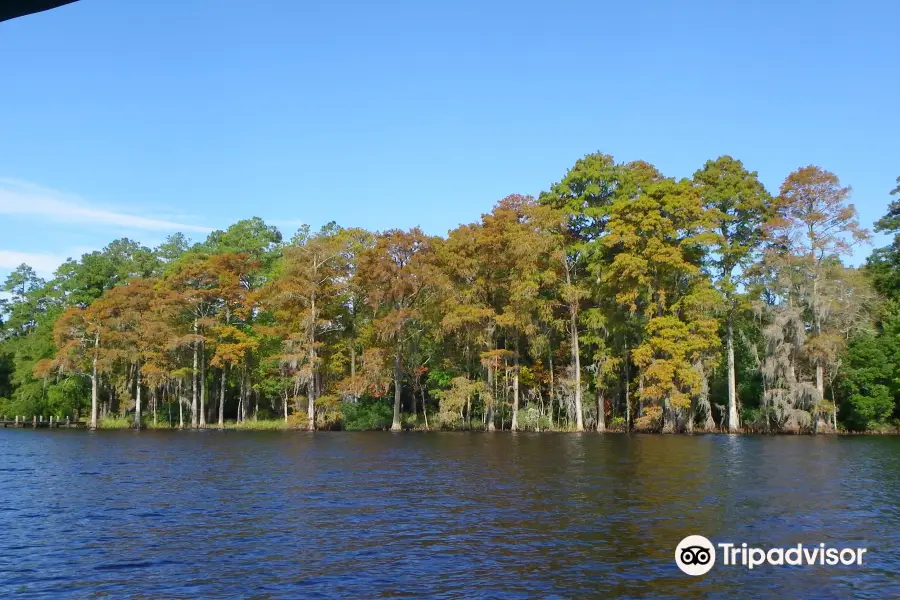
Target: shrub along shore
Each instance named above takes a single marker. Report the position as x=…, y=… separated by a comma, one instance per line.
x=617, y=299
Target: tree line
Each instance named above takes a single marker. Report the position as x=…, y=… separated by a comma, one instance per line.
x=619, y=299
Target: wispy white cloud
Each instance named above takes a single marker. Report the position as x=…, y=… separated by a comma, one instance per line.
x=22, y=198
x=44, y=264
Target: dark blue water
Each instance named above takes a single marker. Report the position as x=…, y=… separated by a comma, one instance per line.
x=376, y=515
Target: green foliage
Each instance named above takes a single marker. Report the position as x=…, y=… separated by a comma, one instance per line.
x=753, y=418
x=749, y=348
x=739, y=206
x=115, y=422
x=80, y=282
x=28, y=301
x=265, y=424
x=175, y=246
x=367, y=414
x=250, y=236
x=6, y=372
x=531, y=419
x=884, y=263
x=869, y=383
x=439, y=379
x=585, y=195
x=871, y=411
x=870, y=378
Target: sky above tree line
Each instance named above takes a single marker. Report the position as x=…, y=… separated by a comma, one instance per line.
x=142, y=118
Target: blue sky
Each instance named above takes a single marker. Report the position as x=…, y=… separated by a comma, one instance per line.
x=140, y=118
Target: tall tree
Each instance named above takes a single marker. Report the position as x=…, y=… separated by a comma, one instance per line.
x=233, y=342
x=128, y=326
x=738, y=203
x=26, y=301
x=815, y=223
x=658, y=240
x=77, y=337
x=585, y=196
x=468, y=317
x=193, y=287
x=884, y=263
x=397, y=275
x=306, y=299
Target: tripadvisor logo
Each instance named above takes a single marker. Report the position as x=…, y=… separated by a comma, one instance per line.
x=695, y=555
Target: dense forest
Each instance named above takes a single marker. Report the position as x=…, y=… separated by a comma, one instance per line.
x=620, y=299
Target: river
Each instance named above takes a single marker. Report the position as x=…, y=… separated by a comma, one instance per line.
x=377, y=515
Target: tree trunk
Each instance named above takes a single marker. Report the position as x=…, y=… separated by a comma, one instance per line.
x=195, y=411
x=552, y=393
x=245, y=393
x=424, y=407
x=820, y=380
x=601, y=412
x=202, y=384
x=312, y=388
x=180, y=405
x=213, y=403
x=222, y=398
x=817, y=329
x=95, y=384
x=514, y=426
x=818, y=421
x=398, y=392
x=627, y=389
x=576, y=355
x=311, y=405
x=239, y=416
x=834, y=412
x=733, y=425
x=669, y=420
x=576, y=360
x=353, y=369
x=640, y=410
x=489, y=412
x=137, y=395
x=469, y=411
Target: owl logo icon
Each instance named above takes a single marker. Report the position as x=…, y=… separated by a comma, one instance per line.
x=695, y=555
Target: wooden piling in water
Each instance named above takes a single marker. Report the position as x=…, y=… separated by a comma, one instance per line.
x=38, y=421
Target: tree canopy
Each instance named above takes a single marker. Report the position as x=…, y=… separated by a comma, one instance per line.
x=675, y=304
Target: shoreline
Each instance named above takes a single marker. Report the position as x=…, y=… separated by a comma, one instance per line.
x=262, y=426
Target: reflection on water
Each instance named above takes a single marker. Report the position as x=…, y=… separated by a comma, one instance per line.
x=288, y=515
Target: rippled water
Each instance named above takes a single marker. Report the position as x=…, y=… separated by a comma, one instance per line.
x=364, y=515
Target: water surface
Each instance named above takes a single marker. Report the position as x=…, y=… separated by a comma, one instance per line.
x=377, y=515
